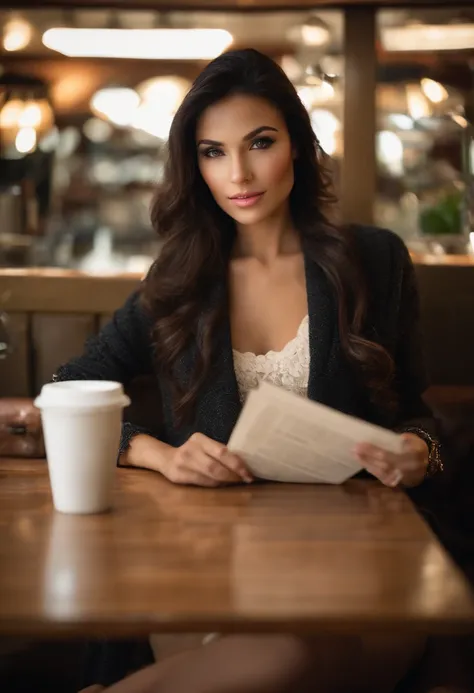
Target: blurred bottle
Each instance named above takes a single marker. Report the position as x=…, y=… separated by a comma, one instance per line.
x=5, y=338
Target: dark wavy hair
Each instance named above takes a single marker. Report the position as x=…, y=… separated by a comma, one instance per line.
x=197, y=236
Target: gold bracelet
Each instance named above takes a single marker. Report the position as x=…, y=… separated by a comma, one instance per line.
x=435, y=463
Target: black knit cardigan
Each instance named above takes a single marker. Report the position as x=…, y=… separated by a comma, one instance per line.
x=124, y=350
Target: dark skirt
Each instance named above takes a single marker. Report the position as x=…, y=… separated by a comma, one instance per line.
x=109, y=661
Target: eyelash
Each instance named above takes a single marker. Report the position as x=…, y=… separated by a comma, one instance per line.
x=266, y=141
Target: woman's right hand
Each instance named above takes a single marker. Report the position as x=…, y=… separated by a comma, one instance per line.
x=201, y=461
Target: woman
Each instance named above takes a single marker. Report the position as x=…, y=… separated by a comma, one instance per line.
x=253, y=281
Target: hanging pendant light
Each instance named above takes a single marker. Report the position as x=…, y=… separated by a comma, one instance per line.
x=26, y=114
x=311, y=33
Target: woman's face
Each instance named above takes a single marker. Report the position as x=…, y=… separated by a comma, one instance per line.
x=245, y=157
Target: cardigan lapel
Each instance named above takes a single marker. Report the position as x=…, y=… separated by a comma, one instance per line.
x=219, y=406
x=331, y=381
x=322, y=329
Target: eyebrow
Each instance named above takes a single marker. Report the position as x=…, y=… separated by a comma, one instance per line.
x=247, y=137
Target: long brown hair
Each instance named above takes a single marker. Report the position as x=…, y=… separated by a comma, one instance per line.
x=197, y=236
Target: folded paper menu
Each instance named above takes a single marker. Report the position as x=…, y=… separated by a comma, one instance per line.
x=285, y=437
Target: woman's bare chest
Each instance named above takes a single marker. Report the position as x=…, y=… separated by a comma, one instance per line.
x=266, y=309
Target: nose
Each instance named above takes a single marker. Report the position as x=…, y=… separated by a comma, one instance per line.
x=241, y=172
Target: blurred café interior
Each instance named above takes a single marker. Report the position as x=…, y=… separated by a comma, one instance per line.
x=84, y=121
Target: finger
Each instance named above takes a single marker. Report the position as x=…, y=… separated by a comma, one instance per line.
x=193, y=478
x=406, y=463
x=214, y=469
x=376, y=458
x=237, y=465
x=210, y=446
x=381, y=475
x=390, y=462
x=392, y=477
x=92, y=689
x=386, y=461
x=396, y=478
x=220, y=452
x=369, y=451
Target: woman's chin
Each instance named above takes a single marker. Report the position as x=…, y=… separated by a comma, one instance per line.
x=248, y=217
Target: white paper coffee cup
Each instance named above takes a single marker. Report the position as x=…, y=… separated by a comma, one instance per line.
x=82, y=422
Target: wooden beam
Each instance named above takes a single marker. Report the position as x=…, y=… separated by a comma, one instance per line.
x=242, y=5
x=359, y=165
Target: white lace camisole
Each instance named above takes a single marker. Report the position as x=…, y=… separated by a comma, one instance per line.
x=288, y=368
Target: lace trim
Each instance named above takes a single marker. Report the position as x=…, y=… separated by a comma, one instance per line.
x=288, y=368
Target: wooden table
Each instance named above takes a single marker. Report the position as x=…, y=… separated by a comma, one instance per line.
x=258, y=558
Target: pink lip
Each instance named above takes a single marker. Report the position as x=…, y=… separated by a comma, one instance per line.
x=247, y=200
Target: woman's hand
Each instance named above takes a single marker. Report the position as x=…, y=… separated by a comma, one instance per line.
x=202, y=461
x=408, y=468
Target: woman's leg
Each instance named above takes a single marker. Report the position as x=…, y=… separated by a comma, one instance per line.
x=281, y=664
x=234, y=664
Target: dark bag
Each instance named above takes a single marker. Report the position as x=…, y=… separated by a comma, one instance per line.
x=21, y=434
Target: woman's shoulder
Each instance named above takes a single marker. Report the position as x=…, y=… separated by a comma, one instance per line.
x=131, y=318
x=373, y=240
x=380, y=250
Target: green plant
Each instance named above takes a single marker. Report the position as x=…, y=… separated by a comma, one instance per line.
x=444, y=218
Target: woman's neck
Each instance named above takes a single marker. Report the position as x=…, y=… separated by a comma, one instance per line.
x=267, y=240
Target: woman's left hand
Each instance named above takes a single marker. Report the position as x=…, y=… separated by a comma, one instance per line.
x=406, y=469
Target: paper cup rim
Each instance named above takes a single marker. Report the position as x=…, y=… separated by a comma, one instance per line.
x=82, y=394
